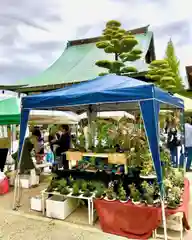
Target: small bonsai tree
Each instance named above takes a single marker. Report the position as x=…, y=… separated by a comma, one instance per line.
x=110, y=193
x=134, y=193
x=148, y=192
x=122, y=194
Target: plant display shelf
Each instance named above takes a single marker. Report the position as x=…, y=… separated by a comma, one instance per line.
x=113, y=158
x=175, y=223
x=151, y=176
x=44, y=194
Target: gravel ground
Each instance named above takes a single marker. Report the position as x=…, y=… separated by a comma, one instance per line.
x=17, y=227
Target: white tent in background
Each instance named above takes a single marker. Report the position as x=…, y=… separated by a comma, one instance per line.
x=116, y=115
x=53, y=117
x=187, y=102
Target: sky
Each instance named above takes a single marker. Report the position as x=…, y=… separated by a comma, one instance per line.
x=33, y=34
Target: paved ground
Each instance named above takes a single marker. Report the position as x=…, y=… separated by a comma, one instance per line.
x=16, y=227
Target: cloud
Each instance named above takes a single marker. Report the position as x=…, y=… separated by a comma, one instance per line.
x=33, y=33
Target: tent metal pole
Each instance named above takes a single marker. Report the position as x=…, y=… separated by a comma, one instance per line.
x=16, y=196
x=164, y=218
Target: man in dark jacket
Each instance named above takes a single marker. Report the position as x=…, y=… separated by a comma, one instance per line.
x=63, y=143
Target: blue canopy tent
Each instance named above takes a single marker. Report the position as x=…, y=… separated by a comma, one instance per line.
x=107, y=93
x=104, y=94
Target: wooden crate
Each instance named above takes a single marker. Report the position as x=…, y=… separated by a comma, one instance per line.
x=73, y=156
x=117, y=158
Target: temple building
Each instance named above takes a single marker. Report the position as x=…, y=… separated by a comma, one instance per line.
x=77, y=64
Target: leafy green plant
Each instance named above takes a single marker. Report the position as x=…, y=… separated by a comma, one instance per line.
x=84, y=186
x=65, y=191
x=53, y=185
x=147, y=164
x=99, y=193
x=177, y=177
x=75, y=190
x=87, y=193
x=167, y=185
x=174, y=197
x=63, y=182
x=91, y=186
x=70, y=181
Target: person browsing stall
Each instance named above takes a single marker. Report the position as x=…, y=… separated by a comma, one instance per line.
x=188, y=143
x=63, y=143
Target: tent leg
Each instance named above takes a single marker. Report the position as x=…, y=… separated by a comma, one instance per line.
x=164, y=219
x=17, y=186
x=17, y=192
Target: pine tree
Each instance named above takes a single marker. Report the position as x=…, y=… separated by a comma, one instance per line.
x=121, y=44
x=173, y=62
x=161, y=74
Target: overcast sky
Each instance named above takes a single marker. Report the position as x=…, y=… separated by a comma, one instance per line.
x=33, y=32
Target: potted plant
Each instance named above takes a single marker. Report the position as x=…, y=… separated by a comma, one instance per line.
x=110, y=195
x=53, y=185
x=148, y=192
x=70, y=181
x=91, y=165
x=99, y=193
x=174, y=197
x=177, y=177
x=64, y=191
x=87, y=193
x=122, y=194
x=167, y=185
x=136, y=197
x=84, y=186
x=62, y=184
x=91, y=186
x=134, y=194
x=75, y=190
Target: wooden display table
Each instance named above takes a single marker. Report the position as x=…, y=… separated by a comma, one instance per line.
x=113, y=158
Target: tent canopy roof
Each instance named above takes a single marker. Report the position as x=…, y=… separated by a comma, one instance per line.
x=10, y=113
x=101, y=92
